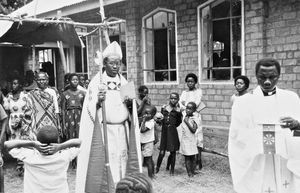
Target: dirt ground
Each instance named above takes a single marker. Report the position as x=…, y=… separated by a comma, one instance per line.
x=214, y=177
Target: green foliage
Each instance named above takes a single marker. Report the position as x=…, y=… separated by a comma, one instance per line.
x=8, y=6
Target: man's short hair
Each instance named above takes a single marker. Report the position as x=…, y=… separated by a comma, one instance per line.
x=267, y=62
x=47, y=134
x=135, y=182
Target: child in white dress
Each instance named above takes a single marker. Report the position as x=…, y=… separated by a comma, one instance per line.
x=187, y=137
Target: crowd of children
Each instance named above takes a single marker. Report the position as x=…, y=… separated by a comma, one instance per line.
x=176, y=127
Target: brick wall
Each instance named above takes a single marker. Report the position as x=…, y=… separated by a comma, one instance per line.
x=271, y=30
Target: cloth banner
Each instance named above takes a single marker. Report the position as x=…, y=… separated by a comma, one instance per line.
x=5, y=25
x=269, y=138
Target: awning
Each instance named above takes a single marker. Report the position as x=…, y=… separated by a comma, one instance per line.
x=29, y=32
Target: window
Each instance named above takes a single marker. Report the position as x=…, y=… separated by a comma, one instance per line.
x=221, y=40
x=46, y=64
x=81, y=66
x=159, y=29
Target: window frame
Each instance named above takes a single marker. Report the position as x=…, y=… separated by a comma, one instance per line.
x=144, y=69
x=199, y=27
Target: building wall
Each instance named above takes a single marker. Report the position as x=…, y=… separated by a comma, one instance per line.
x=272, y=29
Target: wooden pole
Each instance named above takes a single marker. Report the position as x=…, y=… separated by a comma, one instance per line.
x=103, y=104
x=33, y=58
x=63, y=21
x=62, y=55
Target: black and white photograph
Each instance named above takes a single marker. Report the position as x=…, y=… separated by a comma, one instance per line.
x=149, y=96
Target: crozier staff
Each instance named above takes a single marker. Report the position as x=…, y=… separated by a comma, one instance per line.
x=117, y=119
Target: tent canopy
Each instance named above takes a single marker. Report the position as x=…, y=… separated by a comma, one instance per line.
x=29, y=32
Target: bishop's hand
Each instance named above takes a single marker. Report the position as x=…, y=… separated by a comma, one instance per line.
x=289, y=122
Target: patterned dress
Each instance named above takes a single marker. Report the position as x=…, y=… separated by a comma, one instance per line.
x=45, y=112
x=72, y=104
x=21, y=121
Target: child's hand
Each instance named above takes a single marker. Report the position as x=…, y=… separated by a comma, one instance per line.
x=147, y=100
x=186, y=119
x=127, y=101
x=144, y=118
x=53, y=148
x=101, y=96
x=163, y=108
x=41, y=147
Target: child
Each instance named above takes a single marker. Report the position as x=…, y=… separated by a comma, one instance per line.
x=147, y=138
x=158, y=118
x=45, y=162
x=169, y=136
x=193, y=94
x=188, y=139
x=143, y=101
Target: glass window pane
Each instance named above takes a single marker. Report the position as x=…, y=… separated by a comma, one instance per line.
x=172, y=49
x=236, y=41
x=149, y=22
x=149, y=50
x=173, y=76
x=206, y=39
x=161, y=76
x=236, y=7
x=237, y=72
x=160, y=19
x=221, y=9
x=161, y=49
x=171, y=18
x=221, y=74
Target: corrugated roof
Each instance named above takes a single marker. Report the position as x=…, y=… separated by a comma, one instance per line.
x=37, y=7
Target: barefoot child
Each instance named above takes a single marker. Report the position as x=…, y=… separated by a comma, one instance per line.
x=147, y=138
x=45, y=161
x=169, y=136
x=188, y=139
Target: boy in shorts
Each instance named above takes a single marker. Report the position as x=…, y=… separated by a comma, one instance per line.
x=147, y=138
